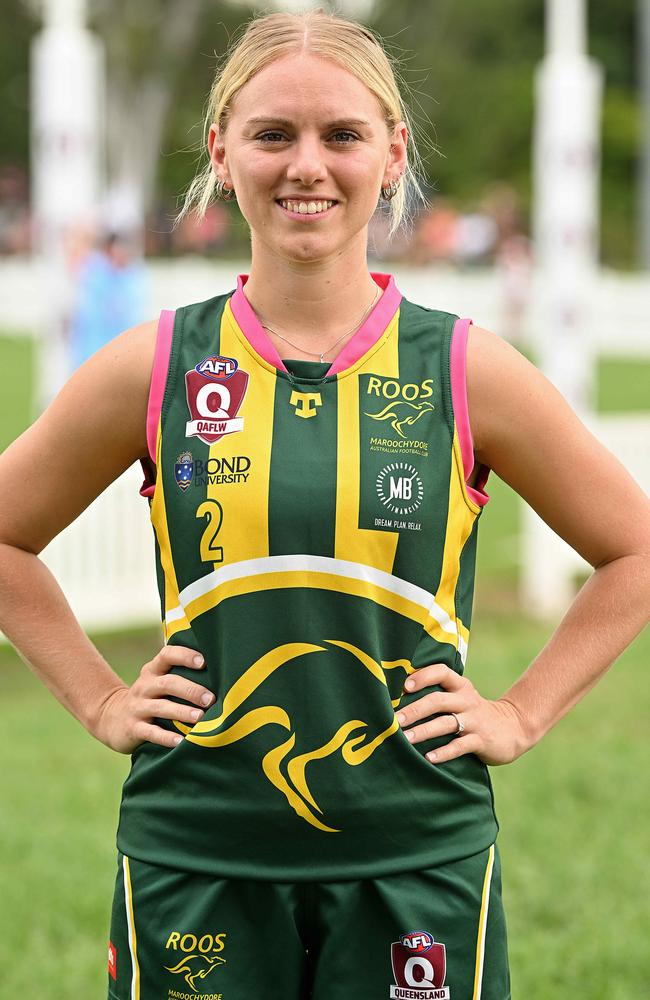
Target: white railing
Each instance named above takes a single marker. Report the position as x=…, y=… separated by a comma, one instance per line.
x=548, y=565
x=620, y=301
x=104, y=561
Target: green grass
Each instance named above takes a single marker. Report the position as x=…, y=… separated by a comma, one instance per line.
x=574, y=813
x=17, y=357
x=623, y=385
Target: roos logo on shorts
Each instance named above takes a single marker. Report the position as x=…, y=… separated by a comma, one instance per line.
x=419, y=966
x=215, y=390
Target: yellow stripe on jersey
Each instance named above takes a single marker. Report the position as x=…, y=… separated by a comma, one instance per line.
x=482, y=927
x=376, y=548
x=240, y=537
x=158, y=516
x=460, y=521
x=130, y=921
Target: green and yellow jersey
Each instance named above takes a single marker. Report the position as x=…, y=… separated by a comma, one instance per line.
x=315, y=539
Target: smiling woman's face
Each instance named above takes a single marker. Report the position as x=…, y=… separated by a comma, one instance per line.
x=305, y=127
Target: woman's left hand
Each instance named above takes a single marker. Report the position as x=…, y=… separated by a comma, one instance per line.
x=493, y=730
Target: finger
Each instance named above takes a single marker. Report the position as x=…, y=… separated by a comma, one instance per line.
x=456, y=748
x=429, y=704
x=180, y=687
x=444, y=726
x=171, y=710
x=175, y=656
x=149, y=733
x=434, y=673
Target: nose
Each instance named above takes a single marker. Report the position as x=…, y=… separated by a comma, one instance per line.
x=307, y=162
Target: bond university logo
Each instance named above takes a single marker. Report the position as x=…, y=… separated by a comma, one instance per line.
x=305, y=403
x=184, y=470
x=194, y=957
x=215, y=390
x=419, y=967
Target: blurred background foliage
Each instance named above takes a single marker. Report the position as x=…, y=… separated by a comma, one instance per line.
x=469, y=74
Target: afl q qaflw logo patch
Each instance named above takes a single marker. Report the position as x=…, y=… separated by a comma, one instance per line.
x=419, y=967
x=399, y=488
x=184, y=470
x=215, y=390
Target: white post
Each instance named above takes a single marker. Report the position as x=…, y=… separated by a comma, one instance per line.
x=67, y=128
x=566, y=245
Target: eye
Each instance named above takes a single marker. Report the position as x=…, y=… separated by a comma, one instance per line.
x=264, y=136
x=345, y=132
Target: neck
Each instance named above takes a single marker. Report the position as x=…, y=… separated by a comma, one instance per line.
x=311, y=308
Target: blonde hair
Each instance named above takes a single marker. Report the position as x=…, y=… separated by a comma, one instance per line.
x=350, y=44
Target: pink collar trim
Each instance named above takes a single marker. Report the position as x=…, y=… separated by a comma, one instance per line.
x=368, y=333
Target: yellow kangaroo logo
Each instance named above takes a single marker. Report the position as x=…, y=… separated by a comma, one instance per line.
x=399, y=411
x=354, y=748
x=305, y=403
x=185, y=966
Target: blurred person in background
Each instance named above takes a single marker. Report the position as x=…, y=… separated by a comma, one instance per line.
x=436, y=234
x=15, y=218
x=317, y=802
x=108, y=297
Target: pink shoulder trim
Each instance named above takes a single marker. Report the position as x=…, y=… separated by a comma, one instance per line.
x=156, y=393
x=457, y=363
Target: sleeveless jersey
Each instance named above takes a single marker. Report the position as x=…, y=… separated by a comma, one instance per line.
x=315, y=539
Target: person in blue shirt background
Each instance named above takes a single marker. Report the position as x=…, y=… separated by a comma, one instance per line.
x=109, y=296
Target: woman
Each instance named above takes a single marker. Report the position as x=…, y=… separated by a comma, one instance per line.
x=316, y=448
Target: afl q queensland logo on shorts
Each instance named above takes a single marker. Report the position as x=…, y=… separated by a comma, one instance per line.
x=215, y=390
x=400, y=488
x=419, y=967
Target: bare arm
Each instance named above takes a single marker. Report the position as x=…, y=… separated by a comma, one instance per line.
x=92, y=431
x=532, y=439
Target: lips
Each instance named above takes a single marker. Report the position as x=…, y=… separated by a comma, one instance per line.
x=306, y=215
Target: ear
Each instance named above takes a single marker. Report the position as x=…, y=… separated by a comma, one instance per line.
x=217, y=151
x=397, y=160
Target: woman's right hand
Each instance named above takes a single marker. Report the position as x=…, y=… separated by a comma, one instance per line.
x=125, y=720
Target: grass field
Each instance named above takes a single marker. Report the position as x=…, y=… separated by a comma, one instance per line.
x=575, y=811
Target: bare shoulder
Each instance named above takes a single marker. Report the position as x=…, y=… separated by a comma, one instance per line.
x=526, y=431
x=90, y=433
x=493, y=363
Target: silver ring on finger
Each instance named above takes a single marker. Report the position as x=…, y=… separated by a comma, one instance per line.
x=460, y=725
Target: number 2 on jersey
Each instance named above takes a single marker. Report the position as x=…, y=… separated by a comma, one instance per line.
x=213, y=511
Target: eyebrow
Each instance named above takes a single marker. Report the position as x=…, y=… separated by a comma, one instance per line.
x=287, y=122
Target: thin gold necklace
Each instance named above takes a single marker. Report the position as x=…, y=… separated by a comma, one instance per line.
x=321, y=356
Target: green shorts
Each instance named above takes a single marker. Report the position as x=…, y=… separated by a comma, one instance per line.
x=418, y=935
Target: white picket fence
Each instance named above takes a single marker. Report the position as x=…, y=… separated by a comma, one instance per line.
x=548, y=566
x=104, y=561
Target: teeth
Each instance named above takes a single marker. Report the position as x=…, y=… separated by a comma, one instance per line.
x=307, y=207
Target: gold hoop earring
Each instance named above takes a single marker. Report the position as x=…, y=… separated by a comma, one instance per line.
x=390, y=192
x=226, y=194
